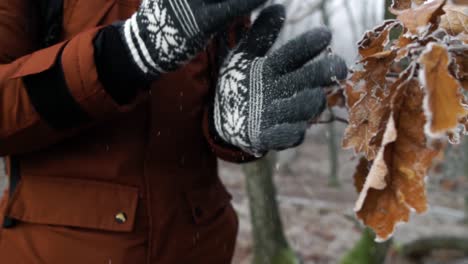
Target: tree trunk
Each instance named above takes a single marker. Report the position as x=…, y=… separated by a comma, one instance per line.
x=332, y=144
x=333, y=156
x=367, y=251
x=270, y=244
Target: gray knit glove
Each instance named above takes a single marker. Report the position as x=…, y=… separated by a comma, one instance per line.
x=163, y=34
x=264, y=102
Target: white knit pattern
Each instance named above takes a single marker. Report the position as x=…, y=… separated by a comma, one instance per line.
x=164, y=40
x=238, y=101
x=256, y=100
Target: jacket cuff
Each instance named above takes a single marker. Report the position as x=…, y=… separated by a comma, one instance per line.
x=121, y=78
x=222, y=149
x=50, y=97
x=81, y=76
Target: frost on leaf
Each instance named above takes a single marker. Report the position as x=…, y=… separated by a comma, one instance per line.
x=374, y=41
x=443, y=100
x=422, y=18
x=455, y=20
x=405, y=4
x=402, y=46
x=460, y=67
x=393, y=108
x=336, y=98
x=379, y=170
x=366, y=96
x=407, y=159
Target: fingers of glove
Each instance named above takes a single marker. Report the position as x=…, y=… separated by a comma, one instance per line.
x=302, y=106
x=219, y=14
x=321, y=73
x=264, y=31
x=283, y=136
x=300, y=50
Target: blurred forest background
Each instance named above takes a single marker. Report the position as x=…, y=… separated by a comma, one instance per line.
x=313, y=184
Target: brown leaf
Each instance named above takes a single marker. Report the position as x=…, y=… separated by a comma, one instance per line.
x=422, y=18
x=455, y=20
x=369, y=99
x=336, y=98
x=379, y=170
x=463, y=37
x=402, y=45
x=405, y=4
x=374, y=41
x=412, y=157
x=443, y=98
x=362, y=170
x=407, y=160
x=459, y=67
x=382, y=208
x=464, y=123
x=352, y=93
x=401, y=4
x=365, y=94
x=460, y=2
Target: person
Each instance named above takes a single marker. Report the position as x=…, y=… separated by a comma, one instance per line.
x=112, y=134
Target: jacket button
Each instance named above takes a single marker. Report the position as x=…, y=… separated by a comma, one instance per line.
x=121, y=218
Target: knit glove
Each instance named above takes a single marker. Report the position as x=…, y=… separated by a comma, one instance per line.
x=264, y=102
x=164, y=34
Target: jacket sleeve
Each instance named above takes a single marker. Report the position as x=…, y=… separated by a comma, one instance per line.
x=35, y=110
x=221, y=46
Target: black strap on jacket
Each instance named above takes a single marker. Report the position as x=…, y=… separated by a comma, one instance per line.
x=50, y=30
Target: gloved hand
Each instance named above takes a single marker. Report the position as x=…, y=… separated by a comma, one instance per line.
x=163, y=34
x=264, y=102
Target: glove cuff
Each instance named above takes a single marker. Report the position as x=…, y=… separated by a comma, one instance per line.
x=120, y=77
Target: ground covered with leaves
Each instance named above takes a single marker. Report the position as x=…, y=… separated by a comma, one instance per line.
x=319, y=221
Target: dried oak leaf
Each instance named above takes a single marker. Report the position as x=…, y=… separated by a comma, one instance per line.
x=405, y=4
x=368, y=105
x=455, y=20
x=336, y=98
x=402, y=45
x=459, y=67
x=460, y=2
x=463, y=37
x=406, y=159
x=423, y=18
x=443, y=102
x=379, y=170
x=464, y=123
x=374, y=41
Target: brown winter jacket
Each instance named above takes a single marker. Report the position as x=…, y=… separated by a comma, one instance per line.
x=136, y=184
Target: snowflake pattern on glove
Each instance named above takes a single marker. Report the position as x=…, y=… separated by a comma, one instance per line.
x=238, y=100
x=162, y=35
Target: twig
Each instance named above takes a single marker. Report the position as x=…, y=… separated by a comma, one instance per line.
x=331, y=120
x=458, y=48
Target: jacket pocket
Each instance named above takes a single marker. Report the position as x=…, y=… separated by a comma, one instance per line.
x=207, y=204
x=74, y=203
